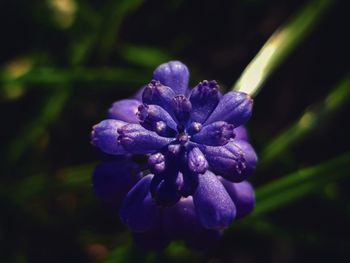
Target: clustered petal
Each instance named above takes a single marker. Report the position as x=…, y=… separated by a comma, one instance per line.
x=198, y=155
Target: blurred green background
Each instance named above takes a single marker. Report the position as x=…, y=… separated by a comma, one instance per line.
x=63, y=62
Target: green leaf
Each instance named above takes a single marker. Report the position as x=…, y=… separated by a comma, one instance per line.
x=299, y=184
x=313, y=118
x=280, y=45
x=144, y=56
x=50, y=77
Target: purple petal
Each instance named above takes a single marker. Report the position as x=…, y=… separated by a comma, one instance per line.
x=105, y=136
x=173, y=74
x=138, y=140
x=235, y=160
x=196, y=161
x=124, y=110
x=214, y=134
x=241, y=133
x=194, y=128
x=204, y=98
x=175, y=148
x=182, y=108
x=242, y=194
x=157, y=94
x=250, y=156
x=113, y=179
x=234, y=107
x=156, y=163
x=151, y=116
x=213, y=205
x=139, y=211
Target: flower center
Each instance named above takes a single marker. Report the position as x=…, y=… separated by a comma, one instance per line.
x=183, y=138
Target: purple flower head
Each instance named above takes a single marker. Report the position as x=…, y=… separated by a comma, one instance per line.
x=197, y=150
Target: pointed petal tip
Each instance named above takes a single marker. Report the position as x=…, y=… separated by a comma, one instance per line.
x=204, y=98
x=156, y=163
x=196, y=161
x=104, y=135
x=234, y=107
x=138, y=140
x=182, y=108
x=235, y=161
x=215, y=134
x=124, y=110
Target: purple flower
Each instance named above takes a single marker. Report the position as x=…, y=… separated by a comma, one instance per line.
x=198, y=153
x=154, y=226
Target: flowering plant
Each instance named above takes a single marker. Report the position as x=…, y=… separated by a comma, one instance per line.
x=198, y=157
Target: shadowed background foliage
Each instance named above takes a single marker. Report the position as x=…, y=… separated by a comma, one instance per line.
x=63, y=63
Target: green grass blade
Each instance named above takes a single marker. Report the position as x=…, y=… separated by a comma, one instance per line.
x=316, y=116
x=297, y=185
x=144, y=56
x=50, y=77
x=280, y=45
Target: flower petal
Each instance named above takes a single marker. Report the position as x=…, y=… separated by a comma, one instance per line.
x=151, y=116
x=204, y=98
x=242, y=194
x=113, y=179
x=157, y=94
x=235, y=160
x=156, y=163
x=139, y=211
x=214, y=134
x=241, y=133
x=124, y=110
x=173, y=74
x=182, y=108
x=105, y=136
x=213, y=205
x=138, y=140
x=234, y=107
x=196, y=161
x=250, y=157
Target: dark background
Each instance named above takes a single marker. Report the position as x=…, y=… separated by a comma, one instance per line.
x=48, y=209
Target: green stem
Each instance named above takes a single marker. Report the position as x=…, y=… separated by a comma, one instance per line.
x=279, y=46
